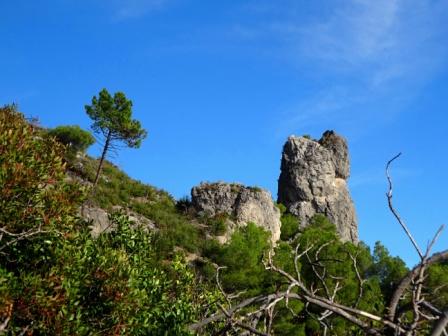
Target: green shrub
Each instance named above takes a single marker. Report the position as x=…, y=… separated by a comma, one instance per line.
x=113, y=283
x=175, y=230
x=119, y=285
x=33, y=194
x=290, y=226
x=184, y=204
x=242, y=256
x=256, y=189
x=218, y=224
x=281, y=207
x=73, y=137
x=437, y=282
x=321, y=222
x=387, y=269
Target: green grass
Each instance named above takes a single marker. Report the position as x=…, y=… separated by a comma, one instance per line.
x=115, y=188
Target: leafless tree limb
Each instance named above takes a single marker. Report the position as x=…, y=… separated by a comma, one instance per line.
x=21, y=236
x=394, y=212
x=441, y=324
x=417, y=276
x=406, y=281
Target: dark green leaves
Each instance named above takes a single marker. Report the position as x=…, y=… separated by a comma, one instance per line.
x=112, y=115
x=74, y=137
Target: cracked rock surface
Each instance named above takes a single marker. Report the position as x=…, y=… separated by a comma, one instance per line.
x=313, y=179
x=242, y=204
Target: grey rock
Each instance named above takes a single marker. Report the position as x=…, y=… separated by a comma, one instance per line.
x=141, y=221
x=99, y=219
x=242, y=204
x=338, y=147
x=313, y=180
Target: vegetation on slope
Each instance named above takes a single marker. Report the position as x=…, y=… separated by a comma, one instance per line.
x=56, y=279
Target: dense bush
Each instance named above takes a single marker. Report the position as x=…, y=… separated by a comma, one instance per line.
x=73, y=137
x=387, y=269
x=242, y=258
x=33, y=195
x=290, y=226
x=217, y=224
x=110, y=285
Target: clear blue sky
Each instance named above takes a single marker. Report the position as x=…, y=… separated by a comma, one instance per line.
x=220, y=85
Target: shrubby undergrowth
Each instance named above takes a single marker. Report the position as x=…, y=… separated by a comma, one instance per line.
x=55, y=279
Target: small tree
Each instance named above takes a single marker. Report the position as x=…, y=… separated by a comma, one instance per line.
x=112, y=119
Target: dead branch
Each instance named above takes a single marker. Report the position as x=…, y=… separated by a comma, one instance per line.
x=440, y=325
x=21, y=236
x=394, y=212
x=417, y=276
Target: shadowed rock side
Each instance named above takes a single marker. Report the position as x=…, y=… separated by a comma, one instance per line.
x=242, y=205
x=313, y=180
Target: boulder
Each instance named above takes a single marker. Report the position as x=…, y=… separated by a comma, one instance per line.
x=99, y=219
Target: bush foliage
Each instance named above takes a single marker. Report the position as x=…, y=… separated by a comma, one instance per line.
x=73, y=137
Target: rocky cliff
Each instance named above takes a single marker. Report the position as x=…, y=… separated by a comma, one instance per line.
x=242, y=205
x=313, y=180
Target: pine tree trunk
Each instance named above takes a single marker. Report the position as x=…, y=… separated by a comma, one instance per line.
x=103, y=156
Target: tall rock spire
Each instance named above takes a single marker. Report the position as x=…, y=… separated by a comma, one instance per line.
x=313, y=179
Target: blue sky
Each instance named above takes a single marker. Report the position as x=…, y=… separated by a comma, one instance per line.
x=220, y=85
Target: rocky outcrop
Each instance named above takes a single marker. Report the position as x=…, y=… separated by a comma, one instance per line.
x=313, y=180
x=99, y=219
x=242, y=205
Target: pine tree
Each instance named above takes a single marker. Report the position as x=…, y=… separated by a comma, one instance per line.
x=112, y=119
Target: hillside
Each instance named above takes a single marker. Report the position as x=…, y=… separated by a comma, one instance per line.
x=125, y=258
x=153, y=208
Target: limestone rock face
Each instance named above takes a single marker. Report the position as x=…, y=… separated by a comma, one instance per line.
x=339, y=149
x=242, y=204
x=313, y=179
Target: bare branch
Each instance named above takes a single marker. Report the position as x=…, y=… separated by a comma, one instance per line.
x=440, y=325
x=433, y=241
x=21, y=236
x=361, y=281
x=406, y=281
x=394, y=212
x=218, y=283
x=239, y=323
